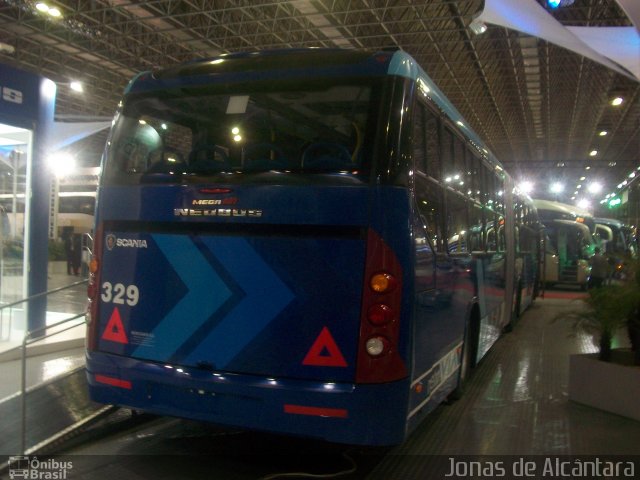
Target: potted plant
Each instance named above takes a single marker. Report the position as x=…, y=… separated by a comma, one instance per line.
x=607, y=380
x=633, y=319
x=607, y=310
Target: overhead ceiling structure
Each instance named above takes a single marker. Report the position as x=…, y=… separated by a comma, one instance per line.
x=540, y=107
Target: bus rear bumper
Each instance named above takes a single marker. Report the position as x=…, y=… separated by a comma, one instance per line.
x=337, y=412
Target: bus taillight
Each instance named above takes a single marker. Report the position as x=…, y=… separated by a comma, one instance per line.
x=382, y=282
x=93, y=292
x=380, y=314
x=378, y=356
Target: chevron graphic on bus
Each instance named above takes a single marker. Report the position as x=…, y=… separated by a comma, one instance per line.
x=223, y=281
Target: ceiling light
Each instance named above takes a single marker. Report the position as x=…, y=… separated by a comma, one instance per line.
x=76, y=86
x=44, y=8
x=478, y=27
x=557, y=187
x=526, y=186
x=617, y=101
x=559, y=3
x=5, y=47
x=595, y=187
x=584, y=203
x=603, y=133
x=61, y=164
x=593, y=153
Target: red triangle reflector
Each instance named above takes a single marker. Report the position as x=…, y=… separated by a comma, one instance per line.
x=324, y=352
x=115, y=329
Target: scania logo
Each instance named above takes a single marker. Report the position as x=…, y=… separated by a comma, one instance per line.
x=131, y=242
x=217, y=212
x=113, y=241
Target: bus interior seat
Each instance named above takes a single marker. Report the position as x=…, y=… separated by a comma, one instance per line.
x=170, y=161
x=208, y=157
x=264, y=156
x=327, y=155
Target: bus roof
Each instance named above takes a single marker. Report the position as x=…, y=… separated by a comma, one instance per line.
x=278, y=64
x=561, y=208
x=610, y=221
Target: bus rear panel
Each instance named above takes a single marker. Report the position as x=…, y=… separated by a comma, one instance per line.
x=235, y=233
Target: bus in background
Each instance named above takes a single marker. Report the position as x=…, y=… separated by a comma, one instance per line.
x=569, y=243
x=309, y=242
x=75, y=210
x=617, y=238
x=617, y=242
x=529, y=253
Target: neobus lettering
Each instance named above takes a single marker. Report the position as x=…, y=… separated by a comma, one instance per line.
x=217, y=212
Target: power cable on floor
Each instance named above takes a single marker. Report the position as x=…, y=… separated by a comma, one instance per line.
x=341, y=473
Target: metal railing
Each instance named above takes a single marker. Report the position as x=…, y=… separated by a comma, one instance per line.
x=31, y=337
x=28, y=299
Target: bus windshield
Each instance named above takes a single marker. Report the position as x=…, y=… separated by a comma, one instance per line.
x=176, y=135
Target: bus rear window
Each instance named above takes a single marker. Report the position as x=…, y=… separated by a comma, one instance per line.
x=179, y=135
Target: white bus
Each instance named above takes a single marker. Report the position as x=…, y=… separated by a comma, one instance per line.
x=569, y=243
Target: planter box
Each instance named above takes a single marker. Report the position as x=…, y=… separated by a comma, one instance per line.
x=58, y=267
x=612, y=386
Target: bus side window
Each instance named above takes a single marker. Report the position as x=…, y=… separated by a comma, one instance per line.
x=476, y=228
x=449, y=168
x=431, y=124
x=425, y=258
x=429, y=197
x=492, y=239
x=457, y=223
x=419, y=141
x=460, y=167
x=502, y=241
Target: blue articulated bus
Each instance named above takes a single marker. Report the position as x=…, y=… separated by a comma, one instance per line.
x=309, y=242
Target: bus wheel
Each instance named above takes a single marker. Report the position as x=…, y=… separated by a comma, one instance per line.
x=469, y=354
